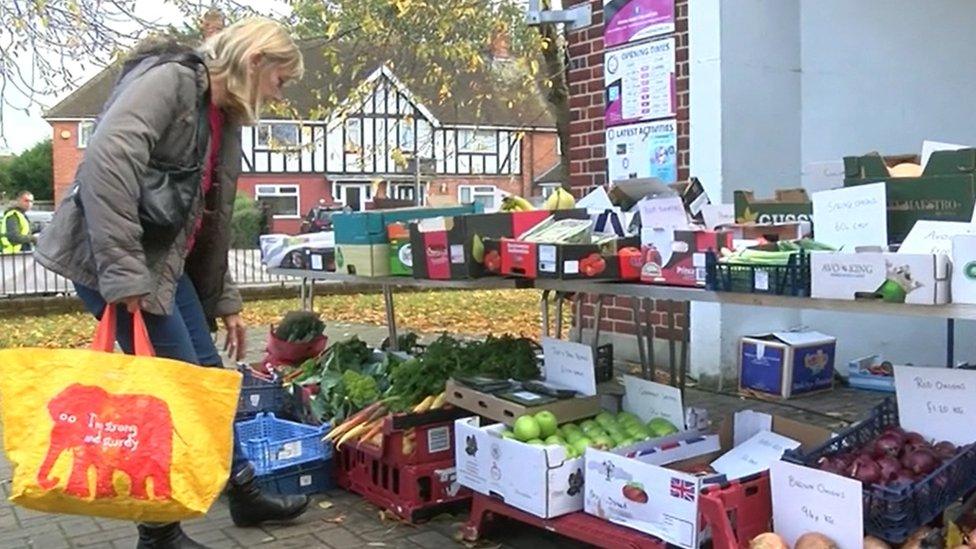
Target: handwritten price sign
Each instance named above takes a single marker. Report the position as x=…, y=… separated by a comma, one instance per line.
x=811, y=500
x=936, y=402
x=569, y=365
x=855, y=216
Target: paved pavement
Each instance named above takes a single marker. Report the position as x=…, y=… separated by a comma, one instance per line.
x=339, y=519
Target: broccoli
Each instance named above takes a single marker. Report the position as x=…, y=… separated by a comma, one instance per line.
x=360, y=389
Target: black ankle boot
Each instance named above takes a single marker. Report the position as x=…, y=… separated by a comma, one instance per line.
x=250, y=507
x=167, y=536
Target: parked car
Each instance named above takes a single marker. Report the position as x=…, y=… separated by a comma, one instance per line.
x=39, y=219
x=320, y=218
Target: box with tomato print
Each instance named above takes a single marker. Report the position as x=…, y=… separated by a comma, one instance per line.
x=676, y=257
x=469, y=246
x=612, y=259
x=658, y=489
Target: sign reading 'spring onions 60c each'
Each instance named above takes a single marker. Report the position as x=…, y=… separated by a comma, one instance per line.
x=640, y=82
x=634, y=20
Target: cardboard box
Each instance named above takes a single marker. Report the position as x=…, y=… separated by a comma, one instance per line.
x=770, y=233
x=920, y=279
x=370, y=227
x=945, y=191
x=363, y=259
x=401, y=257
x=619, y=259
x=540, y=480
x=964, y=269
x=506, y=411
x=786, y=364
x=788, y=205
x=872, y=372
x=677, y=257
x=657, y=493
x=445, y=247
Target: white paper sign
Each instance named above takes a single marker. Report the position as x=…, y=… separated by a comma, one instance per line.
x=569, y=365
x=718, y=214
x=597, y=201
x=851, y=217
x=663, y=213
x=811, y=500
x=934, y=237
x=649, y=149
x=936, y=402
x=754, y=455
x=640, y=82
x=747, y=423
x=929, y=147
x=649, y=400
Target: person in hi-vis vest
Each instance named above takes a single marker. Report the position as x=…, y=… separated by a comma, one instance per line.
x=16, y=236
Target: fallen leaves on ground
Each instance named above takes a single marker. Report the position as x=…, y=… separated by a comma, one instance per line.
x=476, y=312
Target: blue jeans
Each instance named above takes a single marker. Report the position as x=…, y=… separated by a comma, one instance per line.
x=183, y=335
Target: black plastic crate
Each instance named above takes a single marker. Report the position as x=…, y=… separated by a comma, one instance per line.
x=604, y=363
x=263, y=396
x=894, y=513
x=792, y=279
x=306, y=478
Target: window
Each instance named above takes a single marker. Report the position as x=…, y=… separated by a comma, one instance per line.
x=353, y=143
x=406, y=141
x=548, y=188
x=482, y=194
x=477, y=141
x=283, y=199
x=85, y=131
x=278, y=135
x=405, y=191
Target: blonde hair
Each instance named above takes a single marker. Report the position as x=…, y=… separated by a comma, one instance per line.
x=228, y=57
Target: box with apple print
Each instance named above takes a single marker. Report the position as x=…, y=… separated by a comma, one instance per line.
x=618, y=259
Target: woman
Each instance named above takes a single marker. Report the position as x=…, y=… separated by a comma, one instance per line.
x=174, y=111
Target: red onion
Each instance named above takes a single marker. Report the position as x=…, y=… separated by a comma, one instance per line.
x=867, y=472
x=921, y=461
x=945, y=449
x=889, y=467
x=887, y=445
x=915, y=438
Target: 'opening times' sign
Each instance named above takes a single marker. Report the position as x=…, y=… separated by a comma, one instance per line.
x=640, y=82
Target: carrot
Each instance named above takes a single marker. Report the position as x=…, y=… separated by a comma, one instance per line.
x=424, y=405
x=353, y=433
x=371, y=434
x=439, y=401
x=353, y=420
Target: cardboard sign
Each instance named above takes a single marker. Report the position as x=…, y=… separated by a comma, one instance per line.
x=661, y=502
x=811, y=500
x=640, y=82
x=754, y=455
x=650, y=400
x=663, y=213
x=934, y=237
x=648, y=149
x=936, y=402
x=851, y=217
x=747, y=423
x=716, y=215
x=569, y=365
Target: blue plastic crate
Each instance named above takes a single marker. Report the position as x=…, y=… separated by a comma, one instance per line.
x=272, y=444
x=314, y=477
x=258, y=396
x=893, y=513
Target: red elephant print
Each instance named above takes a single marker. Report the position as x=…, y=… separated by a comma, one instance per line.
x=128, y=433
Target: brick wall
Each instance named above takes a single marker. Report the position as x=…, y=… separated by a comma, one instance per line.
x=587, y=154
x=65, y=156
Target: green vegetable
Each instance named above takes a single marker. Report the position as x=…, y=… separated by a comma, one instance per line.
x=299, y=327
x=360, y=389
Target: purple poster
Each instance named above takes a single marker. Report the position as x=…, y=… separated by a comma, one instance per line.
x=640, y=82
x=634, y=20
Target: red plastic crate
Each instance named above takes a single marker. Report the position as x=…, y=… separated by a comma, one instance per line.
x=737, y=511
x=413, y=492
x=432, y=435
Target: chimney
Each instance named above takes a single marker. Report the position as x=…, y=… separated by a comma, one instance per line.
x=498, y=46
x=211, y=23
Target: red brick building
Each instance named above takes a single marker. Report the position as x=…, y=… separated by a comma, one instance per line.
x=587, y=151
x=479, y=146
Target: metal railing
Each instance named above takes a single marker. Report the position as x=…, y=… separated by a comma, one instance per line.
x=22, y=276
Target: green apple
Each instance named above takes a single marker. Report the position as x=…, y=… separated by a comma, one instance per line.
x=582, y=444
x=536, y=442
x=570, y=427
x=618, y=438
x=604, y=443
x=573, y=436
x=628, y=442
x=604, y=418
x=661, y=427
x=560, y=433
x=588, y=424
x=638, y=431
x=627, y=417
x=507, y=433
x=526, y=428
x=555, y=439
x=547, y=423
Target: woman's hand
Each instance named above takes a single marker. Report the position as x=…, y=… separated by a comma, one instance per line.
x=132, y=303
x=236, y=343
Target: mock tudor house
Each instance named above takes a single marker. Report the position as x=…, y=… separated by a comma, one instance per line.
x=479, y=145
